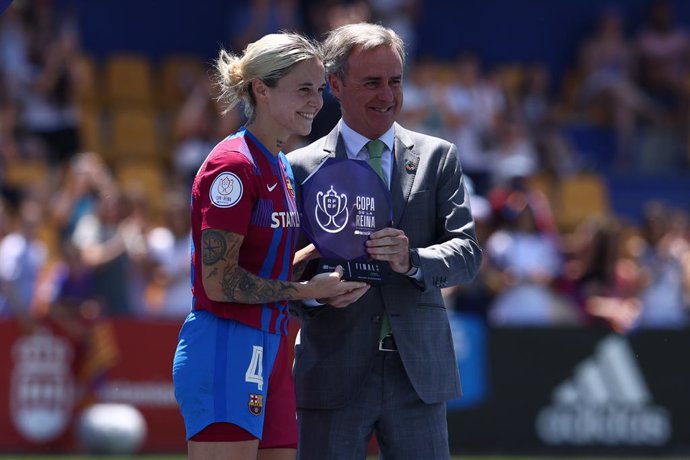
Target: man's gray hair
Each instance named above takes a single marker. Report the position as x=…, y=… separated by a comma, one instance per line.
x=340, y=43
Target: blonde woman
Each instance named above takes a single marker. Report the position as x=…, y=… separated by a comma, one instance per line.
x=231, y=372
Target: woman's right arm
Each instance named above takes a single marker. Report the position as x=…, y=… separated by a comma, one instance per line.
x=225, y=281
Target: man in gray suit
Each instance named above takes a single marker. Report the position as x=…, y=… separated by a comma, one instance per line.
x=382, y=359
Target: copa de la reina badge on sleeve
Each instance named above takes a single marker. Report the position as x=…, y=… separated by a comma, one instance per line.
x=343, y=202
x=226, y=190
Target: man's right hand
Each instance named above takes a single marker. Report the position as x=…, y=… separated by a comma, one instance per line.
x=344, y=300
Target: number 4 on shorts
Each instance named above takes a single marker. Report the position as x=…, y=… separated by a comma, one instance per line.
x=256, y=369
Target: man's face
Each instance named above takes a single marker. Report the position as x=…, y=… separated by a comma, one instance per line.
x=371, y=95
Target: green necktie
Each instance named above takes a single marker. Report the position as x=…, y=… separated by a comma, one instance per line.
x=375, y=149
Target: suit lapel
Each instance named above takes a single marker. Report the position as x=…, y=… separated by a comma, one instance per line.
x=406, y=163
x=333, y=145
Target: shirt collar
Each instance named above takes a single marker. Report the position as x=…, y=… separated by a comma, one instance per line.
x=355, y=142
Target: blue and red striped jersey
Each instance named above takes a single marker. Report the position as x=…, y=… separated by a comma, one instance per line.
x=242, y=188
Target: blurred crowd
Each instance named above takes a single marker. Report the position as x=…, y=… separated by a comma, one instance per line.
x=80, y=240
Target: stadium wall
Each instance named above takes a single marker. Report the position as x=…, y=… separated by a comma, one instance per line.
x=528, y=391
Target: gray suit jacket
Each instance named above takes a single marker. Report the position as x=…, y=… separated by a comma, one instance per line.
x=431, y=205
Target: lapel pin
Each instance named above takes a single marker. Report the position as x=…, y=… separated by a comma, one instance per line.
x=410, y=166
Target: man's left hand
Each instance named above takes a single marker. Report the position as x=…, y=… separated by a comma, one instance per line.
x=391, y=245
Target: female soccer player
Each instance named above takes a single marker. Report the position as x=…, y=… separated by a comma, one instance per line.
x=231, y=373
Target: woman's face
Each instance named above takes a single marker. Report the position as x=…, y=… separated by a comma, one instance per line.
x=297, y=98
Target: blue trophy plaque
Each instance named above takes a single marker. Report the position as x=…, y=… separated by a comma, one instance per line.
x=342, y=203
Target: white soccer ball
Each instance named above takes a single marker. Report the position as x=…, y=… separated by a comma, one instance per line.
x=111, y=429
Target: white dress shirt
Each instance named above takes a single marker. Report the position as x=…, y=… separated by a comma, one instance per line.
x=356, y=147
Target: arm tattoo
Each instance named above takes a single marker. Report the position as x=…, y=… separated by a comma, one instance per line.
x=213, y=247
x=239, y=285
x=235, y=284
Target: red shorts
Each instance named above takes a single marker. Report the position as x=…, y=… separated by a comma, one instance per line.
x=280, y=420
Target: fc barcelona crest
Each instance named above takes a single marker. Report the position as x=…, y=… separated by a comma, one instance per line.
x=256, y=404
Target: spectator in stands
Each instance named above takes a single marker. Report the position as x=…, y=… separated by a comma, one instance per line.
x=663, y=48
x=253, y=19
x=603, y=272
x=9, y=148
x=607, y=64
x=106, y=240
x=534, y=94
x=85, y=180
x=14, y=68
x=322, y=16
x=544, y=119
x=22, y=257
x=512, y=155
x=664, y=55
x=197, y=128
x=424, y=94
x=135, y=227
x=74, y=279
x=529, y=262
x=402, y=16
x=74, y=310
x=469, y=114
x=665, y=299
x=170, y=245
x=70, y=291
x=47, y=90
